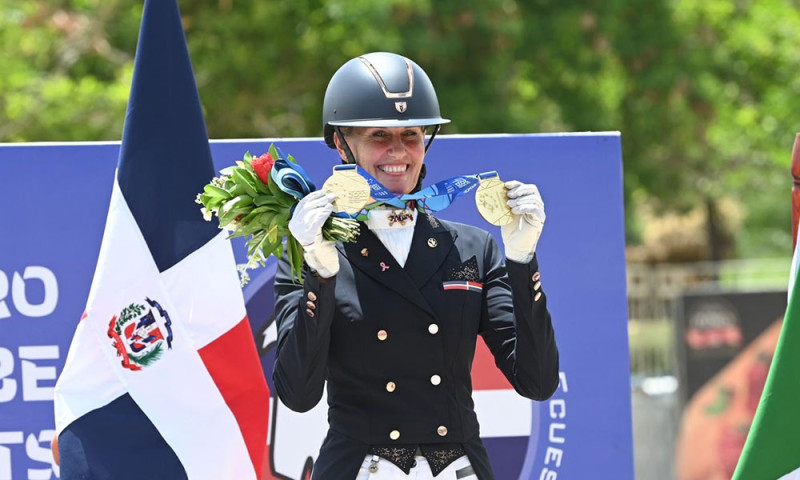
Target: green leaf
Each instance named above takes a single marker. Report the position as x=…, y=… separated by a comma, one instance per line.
x=236, y=189
x=285, y=200
x=249, y=167
x=229, y=205
x=227, y=218
x=262, y=187
x=272, y=248
x=282, y=218
x=233, y=208
x=266, y=200
x=273, y=188
x=244, y=201
x=296, y=259
x=241, y=201
x=245, y=179
x=254, y=242
x=273, y=151
x=205, y=199
x=291, y=255
x=214, y=203
x=215, y=191
x=272, y=234
x=245, y=230
x=254, y=213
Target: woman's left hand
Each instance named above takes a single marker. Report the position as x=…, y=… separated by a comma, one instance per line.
x=521, y=235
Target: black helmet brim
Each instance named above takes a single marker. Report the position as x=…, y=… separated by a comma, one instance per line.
x=390, y=123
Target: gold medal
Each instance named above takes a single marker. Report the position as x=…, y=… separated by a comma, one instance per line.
x=492, y=201
x=351, y=189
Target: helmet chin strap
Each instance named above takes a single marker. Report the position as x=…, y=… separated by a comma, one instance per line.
x=433, y=135
x=352, y=159
x=422, y=173
x=424, y=170
x=348, y=153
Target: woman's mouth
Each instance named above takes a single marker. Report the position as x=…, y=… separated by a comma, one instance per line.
x=393, y=169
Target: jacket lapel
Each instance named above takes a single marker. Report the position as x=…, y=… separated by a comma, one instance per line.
x=429, y=249
x=381, y=266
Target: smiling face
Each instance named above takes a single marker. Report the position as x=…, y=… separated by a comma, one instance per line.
x=392, y=155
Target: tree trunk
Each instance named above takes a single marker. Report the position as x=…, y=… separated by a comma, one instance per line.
x=716, y=240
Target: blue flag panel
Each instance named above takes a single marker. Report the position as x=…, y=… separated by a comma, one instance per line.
x=165, y=160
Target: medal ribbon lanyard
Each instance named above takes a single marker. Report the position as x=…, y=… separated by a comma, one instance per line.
x=433, y=198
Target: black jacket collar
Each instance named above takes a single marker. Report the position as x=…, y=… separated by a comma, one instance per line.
x=430, y=246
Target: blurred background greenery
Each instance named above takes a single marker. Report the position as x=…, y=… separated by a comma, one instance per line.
x=704, y=92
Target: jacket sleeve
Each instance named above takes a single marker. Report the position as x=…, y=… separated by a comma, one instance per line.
x=516, y=326
x=303, y=314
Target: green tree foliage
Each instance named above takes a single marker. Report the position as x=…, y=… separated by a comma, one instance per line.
x=703, y=92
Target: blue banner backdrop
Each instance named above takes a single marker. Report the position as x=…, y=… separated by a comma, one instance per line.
x=57, y=196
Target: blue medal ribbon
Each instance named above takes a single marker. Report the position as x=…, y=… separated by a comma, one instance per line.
x=433, y=198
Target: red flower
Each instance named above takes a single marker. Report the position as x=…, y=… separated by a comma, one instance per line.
x=262, y=165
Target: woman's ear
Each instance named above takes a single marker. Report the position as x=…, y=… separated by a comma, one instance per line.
x=339, y=148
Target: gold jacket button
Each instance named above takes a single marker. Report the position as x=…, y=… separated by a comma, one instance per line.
x=536, y=276
x=312, y=296
x=433, y=329
x=436, y=380
x=432, y=242
x=442, y=431
x=309, y=313
x=537, y=297
x=394, y=435
x=390, y=387
x=382, y=335
x=311, y=305
x=537, y=285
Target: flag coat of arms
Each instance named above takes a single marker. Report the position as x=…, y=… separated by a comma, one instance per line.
x=162, y=380
x=772, y=448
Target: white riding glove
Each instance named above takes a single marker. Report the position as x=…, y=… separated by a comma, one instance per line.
x=306, y=226
x=521, y=235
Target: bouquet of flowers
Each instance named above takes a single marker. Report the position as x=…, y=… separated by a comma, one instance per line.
x=256, y=198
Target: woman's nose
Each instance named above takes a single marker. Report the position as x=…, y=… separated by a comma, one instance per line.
x=397, y=147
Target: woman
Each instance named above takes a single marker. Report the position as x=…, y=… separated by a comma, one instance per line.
x=383, y=321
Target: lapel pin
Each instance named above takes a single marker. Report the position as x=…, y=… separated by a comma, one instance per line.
x=432, y=242
x=364, y=252
x=384, y=267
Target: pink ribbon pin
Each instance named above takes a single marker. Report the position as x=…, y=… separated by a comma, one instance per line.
x=384, y=267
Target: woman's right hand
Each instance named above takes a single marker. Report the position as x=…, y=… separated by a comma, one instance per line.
x=306, y=224
x=309, y=216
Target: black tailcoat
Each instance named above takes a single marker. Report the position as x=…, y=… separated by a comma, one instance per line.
x=396, y=347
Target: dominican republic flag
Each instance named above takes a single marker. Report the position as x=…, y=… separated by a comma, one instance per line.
x=772, y=449
x=463, y=285
x=162, y=380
